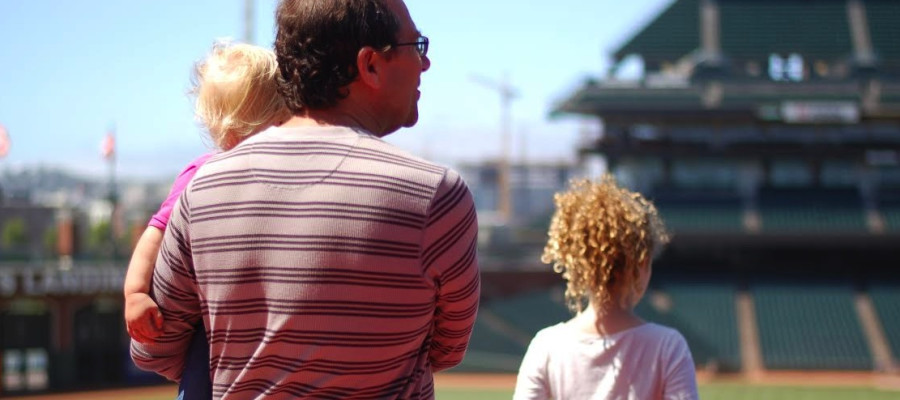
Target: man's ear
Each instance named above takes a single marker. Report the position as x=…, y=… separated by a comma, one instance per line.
x=369, y=62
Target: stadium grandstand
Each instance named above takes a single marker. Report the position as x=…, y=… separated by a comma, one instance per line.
x=768, y=135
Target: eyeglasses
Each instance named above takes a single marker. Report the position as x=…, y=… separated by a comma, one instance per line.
x=421, y=45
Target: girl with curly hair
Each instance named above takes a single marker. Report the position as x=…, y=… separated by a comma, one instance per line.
x=602, y=240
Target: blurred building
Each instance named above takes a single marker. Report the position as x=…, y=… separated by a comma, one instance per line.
x=61, y=324
x=24, y=229
x=532, y=186
x=515, y=243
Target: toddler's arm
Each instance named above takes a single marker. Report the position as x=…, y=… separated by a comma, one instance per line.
x=142, y=316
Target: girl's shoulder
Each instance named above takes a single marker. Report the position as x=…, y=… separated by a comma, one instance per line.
x=562, y=334
x=552, y=332
x=652, y=328
x=665, y=337
x=567, y=332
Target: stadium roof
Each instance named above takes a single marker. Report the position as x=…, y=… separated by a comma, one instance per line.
x=754, y=29
x=644, y=102
x=672, y=35
x=884, y=26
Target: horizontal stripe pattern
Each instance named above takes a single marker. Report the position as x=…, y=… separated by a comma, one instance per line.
x=309, y=276
x=327, y=266
x=317, y=307
x=299, y=212
x=299, y=178
x=314, y=243
x=383, y=154
x=273, y=389
x=298, y=365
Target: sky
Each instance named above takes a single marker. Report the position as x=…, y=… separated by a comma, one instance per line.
x=70, y=71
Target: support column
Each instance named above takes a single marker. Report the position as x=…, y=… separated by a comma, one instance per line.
x=859, y=33
x=748, y=331
x=874, y=332
x=710, y=32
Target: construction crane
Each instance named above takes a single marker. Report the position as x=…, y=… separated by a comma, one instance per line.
x=507, y=93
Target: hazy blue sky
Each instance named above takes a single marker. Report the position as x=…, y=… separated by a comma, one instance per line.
x=70, y=70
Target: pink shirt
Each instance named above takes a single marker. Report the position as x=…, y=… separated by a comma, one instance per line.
x=161, y=218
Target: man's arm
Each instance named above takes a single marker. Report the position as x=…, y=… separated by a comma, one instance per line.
x=449, y=256
x=174, y=289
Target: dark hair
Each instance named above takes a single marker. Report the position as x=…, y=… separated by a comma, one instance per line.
x=317, y=43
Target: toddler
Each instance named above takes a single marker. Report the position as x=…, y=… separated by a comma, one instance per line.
x=236, y=97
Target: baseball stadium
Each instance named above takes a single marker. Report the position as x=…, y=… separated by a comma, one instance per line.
x=766, y=132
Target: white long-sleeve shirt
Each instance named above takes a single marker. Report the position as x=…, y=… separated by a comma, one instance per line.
x=646, y=362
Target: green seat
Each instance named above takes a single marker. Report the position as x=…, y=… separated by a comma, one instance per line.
x=813, y=219
x=531, y=312
x=491, y=351
x=805, y=326
x=811, y=210
x=695, y=219
x=886, y=299
x=891, y=218
x=704, y=313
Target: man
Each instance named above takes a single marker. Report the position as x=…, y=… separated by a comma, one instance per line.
x=324, y=262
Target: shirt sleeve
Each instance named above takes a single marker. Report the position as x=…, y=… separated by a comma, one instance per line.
x=681, y=375
x=449, y=258
x=161, y=218
x=532, y=383
x=174, y=289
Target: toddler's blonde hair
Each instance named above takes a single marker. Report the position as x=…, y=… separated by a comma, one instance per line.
x=236, y=93
x=600, y=236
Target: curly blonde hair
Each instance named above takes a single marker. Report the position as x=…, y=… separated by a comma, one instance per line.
x=600, y=236
x=236, y=93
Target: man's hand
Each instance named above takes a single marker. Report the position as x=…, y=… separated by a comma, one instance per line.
x=142, y=318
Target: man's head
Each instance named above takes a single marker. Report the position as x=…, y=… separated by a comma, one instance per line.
x=360, y=51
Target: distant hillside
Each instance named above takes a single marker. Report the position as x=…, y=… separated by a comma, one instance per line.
x=42, y=179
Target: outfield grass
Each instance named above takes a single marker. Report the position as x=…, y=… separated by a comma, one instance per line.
x=718, y=392
x=757, y=392
x=712, y=391
x=466, y=394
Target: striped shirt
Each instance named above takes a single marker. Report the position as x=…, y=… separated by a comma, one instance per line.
x=324, y=263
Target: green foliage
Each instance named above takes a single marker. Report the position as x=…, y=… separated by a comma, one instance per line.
x=14, y=235
x=51, y=240
x=99, y=240
x=101, y=243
